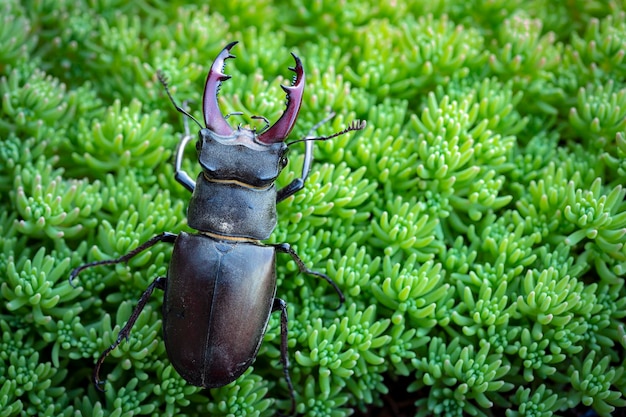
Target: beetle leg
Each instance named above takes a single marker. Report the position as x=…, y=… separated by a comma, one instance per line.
x=181, y=176
x=298, y=184
x=286, y=248
x=163, y=237
x=160, y=283
x=280, y=304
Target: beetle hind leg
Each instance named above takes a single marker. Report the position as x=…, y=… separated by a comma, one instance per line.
x=280, y=304
x=160, y=283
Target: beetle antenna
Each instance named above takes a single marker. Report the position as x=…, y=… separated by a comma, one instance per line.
x=186, y=120
x=354, y=126
x=163, y=81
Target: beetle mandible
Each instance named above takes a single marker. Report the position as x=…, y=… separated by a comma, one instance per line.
x=220, y=287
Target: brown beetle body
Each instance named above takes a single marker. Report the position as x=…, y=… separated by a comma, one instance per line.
x=212, y=303
x=221, y=284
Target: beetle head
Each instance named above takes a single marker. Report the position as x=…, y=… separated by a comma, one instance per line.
x=241, y=154
x=240, y=157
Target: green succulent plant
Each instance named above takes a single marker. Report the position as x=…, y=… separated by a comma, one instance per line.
x=477, y=225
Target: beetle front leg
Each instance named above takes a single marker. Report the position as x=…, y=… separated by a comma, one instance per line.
x=280, y=304
x=286, y=248
x=298, y=184
x=181, y=176
x=160, y=283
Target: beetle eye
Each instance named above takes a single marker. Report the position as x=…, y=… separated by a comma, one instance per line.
x=283, y=161
x=199, y=144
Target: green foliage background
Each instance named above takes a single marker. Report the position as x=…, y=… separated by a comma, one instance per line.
x=477, y=226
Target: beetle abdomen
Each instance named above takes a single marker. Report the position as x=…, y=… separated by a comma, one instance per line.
x=217, y=304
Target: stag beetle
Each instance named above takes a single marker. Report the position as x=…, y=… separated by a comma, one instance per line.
x=220, y=287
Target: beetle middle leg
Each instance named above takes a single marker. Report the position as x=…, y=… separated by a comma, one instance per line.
x=286, y=248
x=159, y=282
x=163, y=237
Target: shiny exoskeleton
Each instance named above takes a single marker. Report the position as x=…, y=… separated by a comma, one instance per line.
x=220, y=287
